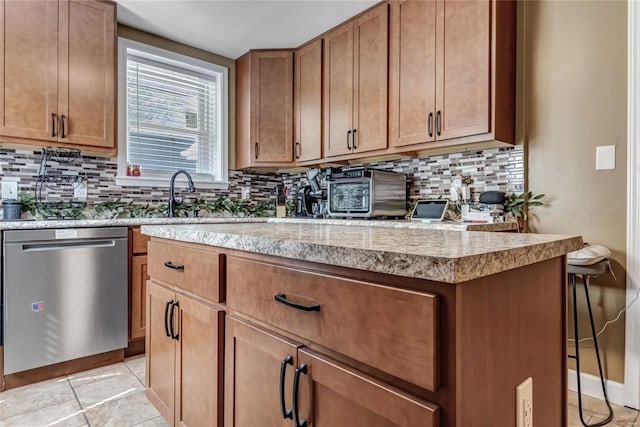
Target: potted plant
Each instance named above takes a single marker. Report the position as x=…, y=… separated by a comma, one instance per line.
x=518, y=205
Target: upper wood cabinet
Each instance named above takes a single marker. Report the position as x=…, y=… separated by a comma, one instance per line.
x=412, y=72
x=463, y=60
x=57, y=64
x=264, y=109
x=355, y=85
x=308, y=102
x=452, y=72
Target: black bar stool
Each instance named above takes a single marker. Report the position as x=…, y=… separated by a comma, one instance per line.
x=586, y=271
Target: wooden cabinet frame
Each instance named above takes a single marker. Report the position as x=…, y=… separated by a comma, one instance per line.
x=58, y=72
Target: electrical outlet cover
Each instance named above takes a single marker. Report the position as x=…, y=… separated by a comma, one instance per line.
x=80, y=192
x=524, y=403
x=9, y=190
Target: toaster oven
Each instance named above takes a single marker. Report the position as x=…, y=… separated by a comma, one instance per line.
x=366, y=193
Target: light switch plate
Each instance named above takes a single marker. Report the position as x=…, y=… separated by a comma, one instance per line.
x=9, y=190
x=80, y=192
x=606, y=157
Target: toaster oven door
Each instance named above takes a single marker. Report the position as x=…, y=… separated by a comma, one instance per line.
x=350, y=198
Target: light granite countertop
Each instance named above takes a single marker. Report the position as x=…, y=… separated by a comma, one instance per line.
x=439, y=255
x=454, y=226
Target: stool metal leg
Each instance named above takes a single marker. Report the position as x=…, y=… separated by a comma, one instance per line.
x=577, y=355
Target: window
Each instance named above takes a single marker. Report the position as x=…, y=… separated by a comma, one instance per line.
x=173, y=115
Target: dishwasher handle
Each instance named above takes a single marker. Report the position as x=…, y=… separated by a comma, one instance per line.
x=55, y=246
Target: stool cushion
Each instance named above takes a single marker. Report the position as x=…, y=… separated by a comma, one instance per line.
x=588, y=255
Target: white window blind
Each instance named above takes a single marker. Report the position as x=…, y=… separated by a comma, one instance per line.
x=173, y=118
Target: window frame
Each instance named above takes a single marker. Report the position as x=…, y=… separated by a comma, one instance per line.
x=192, y=64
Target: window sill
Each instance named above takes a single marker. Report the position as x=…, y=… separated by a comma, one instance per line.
x=145, y=181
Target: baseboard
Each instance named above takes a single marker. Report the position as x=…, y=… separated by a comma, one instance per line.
x=590, y=385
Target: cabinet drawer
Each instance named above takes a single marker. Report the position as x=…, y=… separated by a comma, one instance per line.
x=390, y=329
x=139, y=241
x=195, y=270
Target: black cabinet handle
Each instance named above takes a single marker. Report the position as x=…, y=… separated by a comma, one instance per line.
x=256, y=151
x=348, y=142
x=53, y=124
x=354, y=139
x=174, y=335
x=286, y=412
x=296, y=382
x=166, y=318
x=438, y=122
x=430, y=124
x=172, y=266
x=62, y=116
x=297, y=150
x=282, y=299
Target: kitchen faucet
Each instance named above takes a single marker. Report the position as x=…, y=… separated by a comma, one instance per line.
x=172, y=200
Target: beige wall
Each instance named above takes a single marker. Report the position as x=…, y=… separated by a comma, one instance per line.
x=161, y=42
x=575, y=66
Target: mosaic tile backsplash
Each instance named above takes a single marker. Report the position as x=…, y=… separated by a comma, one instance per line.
x=100, y=174
x=428, y=177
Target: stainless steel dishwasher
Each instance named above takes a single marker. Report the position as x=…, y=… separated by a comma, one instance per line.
x=64, y=294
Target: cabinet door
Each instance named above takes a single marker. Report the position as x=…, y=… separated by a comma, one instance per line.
x=160, y=352
x=199, y=364
x=252, y=376
x=338, y=90
x=308, y=102
x=272, y=106
x=412, y=72
x=28, y=69
x=87, y=73
x=333, y=395
x=371, y=47
x=139, y=277
x=463, y=64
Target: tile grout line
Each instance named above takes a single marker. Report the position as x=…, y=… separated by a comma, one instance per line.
x=84, y=415
x=134, y=374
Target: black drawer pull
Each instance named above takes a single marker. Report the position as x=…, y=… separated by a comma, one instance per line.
x=430, y=124
x=286, y=412
x=348, y=142
x=174, y=335
x=296, y=382
x=172, y=266
x=282, y=299
x=354, y=139
x=166, y=318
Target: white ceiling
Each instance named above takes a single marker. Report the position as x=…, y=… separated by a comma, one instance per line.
x=230, y=28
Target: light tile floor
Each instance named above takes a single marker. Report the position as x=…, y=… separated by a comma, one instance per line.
x=114, y=396
x=108, y=396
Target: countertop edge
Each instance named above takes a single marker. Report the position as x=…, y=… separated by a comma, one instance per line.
x=439, y=269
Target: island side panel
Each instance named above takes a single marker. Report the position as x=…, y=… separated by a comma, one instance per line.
x=512, y=326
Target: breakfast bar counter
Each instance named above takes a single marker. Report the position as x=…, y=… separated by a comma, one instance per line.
x=439, y=255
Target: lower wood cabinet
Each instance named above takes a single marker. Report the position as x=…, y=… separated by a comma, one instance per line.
x=139, y=277
x=271, y=381
x=256, y=364
x=184, y=357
